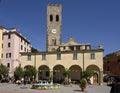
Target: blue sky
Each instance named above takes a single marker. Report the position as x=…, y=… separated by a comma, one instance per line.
x=88, y=21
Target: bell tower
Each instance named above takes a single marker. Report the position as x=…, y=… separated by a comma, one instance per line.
x=54, y=18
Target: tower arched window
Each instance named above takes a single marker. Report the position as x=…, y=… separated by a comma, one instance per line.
x=53, y=41
x=57, y=18
x=51, y=18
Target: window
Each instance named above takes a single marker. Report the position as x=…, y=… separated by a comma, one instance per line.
x=51, y=18
x=53, y=41
x=53, y=49
x=43, y=56
x=21, y=47
x=28, y=57
x=92, y=56
x=57, y=18
x=2, y=45
x=9, y=55
x=71, y=48
x=108, y=68
x=25, y=49
x=6, y=55
x=58, y=56
x=9, y=45
x=2, y=55
x=74, y=56
x=108, y=62
x=8, y=65
x=21, y=40
x=9, y=36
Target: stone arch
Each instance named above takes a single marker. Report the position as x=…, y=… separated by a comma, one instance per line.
x=27, y=66
x=58, y=73
x=95, y=78
x=75, y=73
x=43, y=72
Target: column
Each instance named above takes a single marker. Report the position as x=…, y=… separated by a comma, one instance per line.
x=51, y=75
x=36, y=77
x=101, y=78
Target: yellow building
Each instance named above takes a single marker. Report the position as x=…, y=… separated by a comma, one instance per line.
x=1, y=31
x=73, y=56
x=76, y=61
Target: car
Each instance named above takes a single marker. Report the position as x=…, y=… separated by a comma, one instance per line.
x=109, y=76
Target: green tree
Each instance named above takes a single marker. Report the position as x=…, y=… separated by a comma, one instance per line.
x=87, y=74
x=3, y=71
x=66, y=73
x=30, y=71
x=18, y=73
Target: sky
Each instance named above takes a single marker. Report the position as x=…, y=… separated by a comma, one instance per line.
x=87, y=21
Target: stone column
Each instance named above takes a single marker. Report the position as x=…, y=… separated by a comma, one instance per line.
x=101, y=78
x=51, y=75
x=36, y=77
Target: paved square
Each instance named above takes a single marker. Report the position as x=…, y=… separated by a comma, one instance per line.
x=13, y=88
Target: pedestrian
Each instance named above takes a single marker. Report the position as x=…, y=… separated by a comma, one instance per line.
x=114, y=86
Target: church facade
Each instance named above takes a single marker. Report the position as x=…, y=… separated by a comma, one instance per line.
x=58, y=57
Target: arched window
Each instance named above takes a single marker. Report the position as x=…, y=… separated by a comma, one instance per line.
x=53, y=41
x=57, y=18
x=51, y=18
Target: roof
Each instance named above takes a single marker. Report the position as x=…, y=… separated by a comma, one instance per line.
x=71, y=42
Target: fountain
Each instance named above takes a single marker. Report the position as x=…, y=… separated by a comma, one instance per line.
x=44, y=85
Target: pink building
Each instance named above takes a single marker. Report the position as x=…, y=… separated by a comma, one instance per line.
x=13, y=44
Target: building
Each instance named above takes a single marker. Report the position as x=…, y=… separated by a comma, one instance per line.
x=13, y=44
x=0, y=43
x=71, y=55
x=54, y=26
x=112, y=63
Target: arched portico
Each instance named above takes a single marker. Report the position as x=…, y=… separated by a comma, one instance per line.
x=96, y=79
x=75, y=72
x=43, y=72
x=27, y=66
x=58, y=73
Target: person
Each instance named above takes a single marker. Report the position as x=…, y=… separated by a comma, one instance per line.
x=25, y=79
x=22, y=80
x=114, y=86
x=89, y=81
x=69, y=80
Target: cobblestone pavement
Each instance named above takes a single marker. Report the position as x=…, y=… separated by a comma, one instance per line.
x=13, y=88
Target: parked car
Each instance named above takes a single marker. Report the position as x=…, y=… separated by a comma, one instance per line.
x=106, y=78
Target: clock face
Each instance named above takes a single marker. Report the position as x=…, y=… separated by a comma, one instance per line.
x=54, y=31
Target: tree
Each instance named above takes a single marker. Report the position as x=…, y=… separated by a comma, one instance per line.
x=66, y=73
x=18, y=73
x=30, y=72
x=3, y=71
x=87, y=74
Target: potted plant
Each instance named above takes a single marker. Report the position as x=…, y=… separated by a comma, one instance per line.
x=83, y=84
